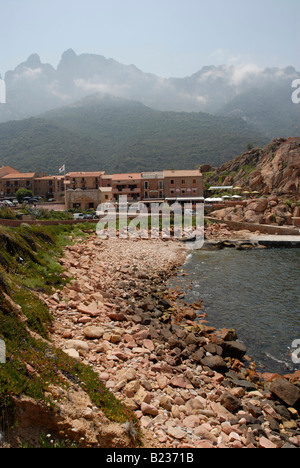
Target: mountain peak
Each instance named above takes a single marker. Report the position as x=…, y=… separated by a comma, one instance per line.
x=33, y=61
x=68, y=55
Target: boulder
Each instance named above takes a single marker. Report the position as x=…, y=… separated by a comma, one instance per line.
x=259, y=205
x=234, y=349
x=215, y=363
x=230, y=402
x=93, y=332
x=286, y=391
x=78, y=345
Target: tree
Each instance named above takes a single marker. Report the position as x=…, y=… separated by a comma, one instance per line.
x=22, y=193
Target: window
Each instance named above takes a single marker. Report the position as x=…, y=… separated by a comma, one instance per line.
x=172, y=182
x=160, y=184
x=182, y=181
x=146, y=185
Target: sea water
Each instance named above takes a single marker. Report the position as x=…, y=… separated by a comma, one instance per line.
x=256, y=292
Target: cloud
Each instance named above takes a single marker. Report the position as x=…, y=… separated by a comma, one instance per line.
x=91, y=87
x=242, y=73
x=28, y=74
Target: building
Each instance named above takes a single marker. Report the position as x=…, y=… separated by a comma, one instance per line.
x=186, y=185
x=12, y=182
x=148, y=187
x=50, y=187
x=152, y=186
x=87, y=190
x=84, y=180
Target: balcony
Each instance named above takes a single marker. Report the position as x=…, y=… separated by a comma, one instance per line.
x=126, y=191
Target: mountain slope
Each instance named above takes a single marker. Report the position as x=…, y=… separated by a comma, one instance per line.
x=262, y=97
x=107, y=133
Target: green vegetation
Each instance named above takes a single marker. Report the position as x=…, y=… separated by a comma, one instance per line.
x=22, y=193
x=116, y=135
x=28, y=264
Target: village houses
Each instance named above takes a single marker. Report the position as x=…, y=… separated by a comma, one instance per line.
x=87, y=190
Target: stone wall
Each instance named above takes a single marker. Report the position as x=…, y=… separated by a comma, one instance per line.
x=263, y=228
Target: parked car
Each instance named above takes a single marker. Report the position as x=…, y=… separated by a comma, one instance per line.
x=8, y=203
x=78, y=215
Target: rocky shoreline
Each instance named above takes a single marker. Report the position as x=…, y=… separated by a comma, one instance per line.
x=190, y=386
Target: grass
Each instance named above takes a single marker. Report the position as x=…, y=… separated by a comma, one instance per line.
x=28, y=264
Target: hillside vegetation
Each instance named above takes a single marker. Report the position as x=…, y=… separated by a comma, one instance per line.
x=38, y=380
x=116, y=135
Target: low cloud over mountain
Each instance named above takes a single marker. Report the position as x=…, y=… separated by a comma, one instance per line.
x=260, y=97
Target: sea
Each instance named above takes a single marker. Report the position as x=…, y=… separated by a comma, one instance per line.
x=257, y=293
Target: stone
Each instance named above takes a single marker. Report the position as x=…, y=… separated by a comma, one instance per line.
x=148, y=344
x=204, y=433
x=72, y=353
x=78, y=345
x=215, y=363
x=91, y=310
x=162, y=381
x=128, y=374
x=149, y=409
x=179, y=382
x=166, y=403
x=234, y=349
x=230, y=402
x=266, y=443
x=117, y=317
x=191, y=421
x=93, y=332
x=286, y=391
x=176, y=433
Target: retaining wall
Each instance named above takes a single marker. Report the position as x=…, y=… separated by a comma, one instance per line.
x=263, y=228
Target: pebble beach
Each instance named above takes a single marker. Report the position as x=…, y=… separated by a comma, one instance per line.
x=190, y=385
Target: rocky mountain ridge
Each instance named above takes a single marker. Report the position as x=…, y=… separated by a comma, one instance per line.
x=273, y=173
x=273, y=170
x=260, y=97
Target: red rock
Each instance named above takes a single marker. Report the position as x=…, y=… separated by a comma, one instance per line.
x=179, y=382
x=176, y=433
x=117, y=317
x=286, y=391
x=265, y=443
x=149, y=409
x=149, y=345
x=269, y=377
x=191, y=421
x=91, y=310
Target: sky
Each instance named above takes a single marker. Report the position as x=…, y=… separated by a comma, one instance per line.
x=170, y=38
